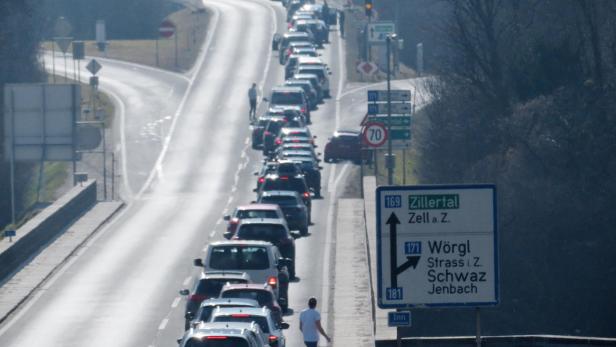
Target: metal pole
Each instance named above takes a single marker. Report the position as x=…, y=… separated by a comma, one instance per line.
x=112, y=175
x=65, y=69
x=78, y=70
x=13, y=157
x=157, y=59
x=76, y=107
x=478, y=327
x=104, y=154
x=176, y=50
x=389, y=162
x=53, y=60
x=404, y=166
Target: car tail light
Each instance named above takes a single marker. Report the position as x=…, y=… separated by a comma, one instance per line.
x=306, y=194
x=272, y=281
x=284, y=178
x=303, y=110
x=197, y=298
x=267, y=133
x=240, y=315
x=214, y=338
x=261, y=179
x=278, y=141
x=273, y=339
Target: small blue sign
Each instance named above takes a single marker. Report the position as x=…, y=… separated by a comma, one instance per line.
x=9, y=233
x=399, y=319
x=394, y=293
x=373, y=108
x=373, y=95
x=393, y=201
x=412, y=247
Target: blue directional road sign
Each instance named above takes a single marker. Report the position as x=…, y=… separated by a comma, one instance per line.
x=399, y=319
x=396, y=108
x=396, y=95
x=9, y=233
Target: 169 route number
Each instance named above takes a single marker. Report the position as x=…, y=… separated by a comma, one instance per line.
x=374, y=134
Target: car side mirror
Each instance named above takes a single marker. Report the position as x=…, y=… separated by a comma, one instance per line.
x=227, y=235
x=179, y=340
x=256, y=173
x=189, y=315
x=266, y=99
x=320, y=168
x=254, y=190
x=314, y=136
x=319, y=153
x=184, y=292
x=226, y=217
x=198, y=262
x=284, y=325
x=329, y=72
x=315, y=146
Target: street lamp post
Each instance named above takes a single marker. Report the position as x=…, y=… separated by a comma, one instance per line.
x=390, y=159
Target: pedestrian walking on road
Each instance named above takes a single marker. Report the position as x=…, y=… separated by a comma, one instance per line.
x=310, y=324
x=252, y=99
x=341, y=22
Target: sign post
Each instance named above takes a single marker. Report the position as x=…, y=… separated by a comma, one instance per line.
x=437, y=246
x=166, y=30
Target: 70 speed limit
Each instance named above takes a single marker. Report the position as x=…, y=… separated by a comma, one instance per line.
x=374, y=134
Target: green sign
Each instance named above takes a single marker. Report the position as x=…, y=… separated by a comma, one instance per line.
x=396, y=121
x=400, y=134
x=434, y=202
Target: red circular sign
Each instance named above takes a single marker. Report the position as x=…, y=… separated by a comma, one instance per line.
x=166, y=29
x=374, y=134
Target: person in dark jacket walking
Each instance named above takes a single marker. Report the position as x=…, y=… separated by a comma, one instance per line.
x=252, y=99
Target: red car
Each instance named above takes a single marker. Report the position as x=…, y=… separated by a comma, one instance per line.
x=250, y=211
x=344, y=145
x=263, y=293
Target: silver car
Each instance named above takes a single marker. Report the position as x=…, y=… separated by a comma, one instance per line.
x=263, y=316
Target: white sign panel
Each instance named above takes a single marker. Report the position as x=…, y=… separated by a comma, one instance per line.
x=40, y=121
x=436, y=246
x=378, y=31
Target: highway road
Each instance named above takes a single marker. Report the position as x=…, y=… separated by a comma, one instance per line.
x=186, y=160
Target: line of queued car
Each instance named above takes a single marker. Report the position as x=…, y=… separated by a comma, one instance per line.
x=241, y=295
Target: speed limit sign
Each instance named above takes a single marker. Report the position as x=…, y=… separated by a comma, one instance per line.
x=374, y=134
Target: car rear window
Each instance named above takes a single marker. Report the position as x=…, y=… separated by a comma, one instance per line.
x=262, y=321
x=318, y=72
x=287, y=98
x=239, y=258
x=263, y=297
x=206, y=311
x=280, y=200
x=219, y=341
x=288, y=184
x=261, y=232
x=211, y=287
x=257, y=214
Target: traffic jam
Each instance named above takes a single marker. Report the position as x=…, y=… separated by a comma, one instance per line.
x=242, y=293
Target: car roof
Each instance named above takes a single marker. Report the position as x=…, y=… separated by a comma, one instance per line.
x=258, y=206
x=225, y=275
x=287, y=89
x=250, y=286
x=310, y=67
x=310, y=59
x=296, y=34
x=278, y=221
x=305, y=75
x=241, y=243
x=253, y=311
x=346, y=132
x=222, y=301
x=280, y=193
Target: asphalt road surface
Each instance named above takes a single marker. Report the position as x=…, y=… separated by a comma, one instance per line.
x=186, y=161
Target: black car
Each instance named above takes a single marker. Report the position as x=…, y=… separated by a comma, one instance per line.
x=208, y=286
x=258, y=128
x=268, y=168
x=291, y=204
x=296, y=183
x=311, y=171
x=270, y=134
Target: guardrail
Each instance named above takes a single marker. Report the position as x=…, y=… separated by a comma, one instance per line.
x=45, y=227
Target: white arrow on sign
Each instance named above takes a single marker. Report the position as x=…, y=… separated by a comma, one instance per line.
x=93, y=66
x=396, y=108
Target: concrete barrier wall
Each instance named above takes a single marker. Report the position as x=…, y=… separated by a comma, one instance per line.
x=45, y=227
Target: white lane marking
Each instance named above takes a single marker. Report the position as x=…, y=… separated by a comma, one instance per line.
x=163, y=324
x=330, y=180
x=328, y=235
x=176, y=302
x=213, y=233
x=187, y=281
x=247, y=140
x=159, y=162
x=345, y=167
x=122, y=145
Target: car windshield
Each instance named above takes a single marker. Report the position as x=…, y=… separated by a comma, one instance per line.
x=211, y=287
x=263, y=297
x=262, y=321
x=287, y=98
x=242, y=214
x=262, y=232
x=239, y=258
x=219, y=341
x=280, y=200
